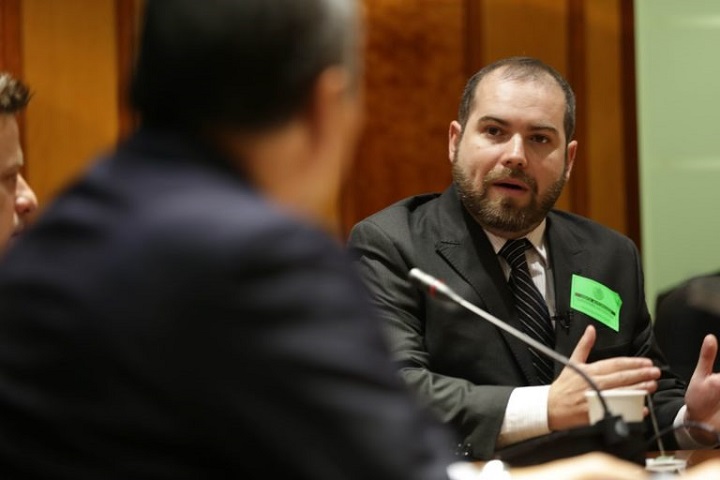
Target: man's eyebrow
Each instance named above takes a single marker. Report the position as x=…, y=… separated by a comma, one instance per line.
x=543, y=128
x=534, y=128
x=490, y=118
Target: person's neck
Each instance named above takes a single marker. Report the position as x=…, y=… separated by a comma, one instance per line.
x=510, y=235
x=280, y=164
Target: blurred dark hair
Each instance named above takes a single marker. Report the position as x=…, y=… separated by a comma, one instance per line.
x=520, y=68
x=14, y=95
x=247, y=64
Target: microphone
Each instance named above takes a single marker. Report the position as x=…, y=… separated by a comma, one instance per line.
x=616, y=435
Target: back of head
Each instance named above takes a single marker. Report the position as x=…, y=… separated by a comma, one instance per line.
x=245, y=64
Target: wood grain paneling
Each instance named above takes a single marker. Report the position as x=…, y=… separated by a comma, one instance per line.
x=70, y=58
x=629, y=114
x=604, y=114
x=535, y=28
x=474, y=45
x=77, y=57
x=10, y=41
x=576, y=192
x=129, y=20
x=11, y=51
x=126, y=18
x=420, y=53
x=414, y=78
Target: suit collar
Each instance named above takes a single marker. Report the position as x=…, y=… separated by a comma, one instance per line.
x=568, y=257
x=176, y=146
x=466, y=248
x=462, y=243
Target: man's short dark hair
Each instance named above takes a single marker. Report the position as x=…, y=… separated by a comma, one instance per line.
x=246, y=64
x=14, y=94
x=520, y=68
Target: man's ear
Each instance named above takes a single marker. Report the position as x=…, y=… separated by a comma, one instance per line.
x=331, y=125
x=571, y=152
x=331, y=103
x=454, y=136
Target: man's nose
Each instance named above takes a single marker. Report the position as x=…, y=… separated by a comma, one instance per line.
x=514, y=156
x=25, y=200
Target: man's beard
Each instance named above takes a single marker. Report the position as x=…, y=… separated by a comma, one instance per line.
x=503, y=215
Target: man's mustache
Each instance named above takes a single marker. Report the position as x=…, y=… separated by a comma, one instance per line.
x=506, y=173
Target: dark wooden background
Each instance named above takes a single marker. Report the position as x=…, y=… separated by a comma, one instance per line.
x=76, y=54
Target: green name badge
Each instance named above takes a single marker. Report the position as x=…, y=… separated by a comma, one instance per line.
x=596, y=300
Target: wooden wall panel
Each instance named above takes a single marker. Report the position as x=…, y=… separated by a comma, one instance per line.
x=128, y=20
x=536, y=28
x=127, y=15
x=420, y=54
x=577, y=190
x=70, y=60
x=628, y=100
x=414, y=78
x=11, y=49
x=77, y=54
x=10, y=46
x=604, y=114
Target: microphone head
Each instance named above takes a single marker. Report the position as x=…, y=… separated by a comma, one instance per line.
x=420, y=277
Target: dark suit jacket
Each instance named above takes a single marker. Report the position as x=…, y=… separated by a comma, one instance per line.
x=462, y=366
x=685, y=314
x=164, y=321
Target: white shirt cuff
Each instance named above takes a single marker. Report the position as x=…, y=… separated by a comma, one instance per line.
x=682, y=434
x=525, y=415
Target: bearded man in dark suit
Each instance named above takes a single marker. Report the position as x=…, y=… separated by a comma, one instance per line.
x=511, y=151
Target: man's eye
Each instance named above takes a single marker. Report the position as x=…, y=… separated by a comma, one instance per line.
x=493, y=131
x=10, y=178
x=540, y=139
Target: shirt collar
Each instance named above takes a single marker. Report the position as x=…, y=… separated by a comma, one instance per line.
x=536, y=237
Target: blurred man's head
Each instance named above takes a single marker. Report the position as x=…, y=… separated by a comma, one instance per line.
x=243, y=72
x=17, y=200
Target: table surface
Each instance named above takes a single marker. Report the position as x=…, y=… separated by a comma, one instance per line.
x=692, y=457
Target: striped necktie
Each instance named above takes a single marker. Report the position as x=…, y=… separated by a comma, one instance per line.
x=530, y=306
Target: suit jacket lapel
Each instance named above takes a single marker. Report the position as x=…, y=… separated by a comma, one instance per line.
x=467, y=249
x=567, y=257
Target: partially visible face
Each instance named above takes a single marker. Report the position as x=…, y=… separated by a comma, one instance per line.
x=17, y=200
x=512, y=161
x=335, y=159
x=25, y=205
x=341, y=92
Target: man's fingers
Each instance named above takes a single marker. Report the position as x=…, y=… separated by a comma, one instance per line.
x=584, y=346
x=649, y=386
x=708, y=351
x=641, y=378
x=617, y=364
